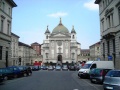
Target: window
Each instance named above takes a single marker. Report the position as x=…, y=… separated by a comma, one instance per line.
x=108, y=47
x=72, y=55
x=103, y=48
x=47, y=37
x=103, y=4
x=46, y=55
x=2, y=24
x=114, y=45
x=73, y=37
x=9, y=11
x=0, y=52
x=3, y=6
x=102, y=25
x=109, y=23
x=8, y=28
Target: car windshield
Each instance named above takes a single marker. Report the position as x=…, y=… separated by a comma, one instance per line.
x=113, y=74
x=86, y=66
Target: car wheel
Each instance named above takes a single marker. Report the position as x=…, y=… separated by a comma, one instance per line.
x=5, y=78
x=24, y=74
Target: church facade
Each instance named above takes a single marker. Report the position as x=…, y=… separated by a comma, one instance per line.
x=60, y=46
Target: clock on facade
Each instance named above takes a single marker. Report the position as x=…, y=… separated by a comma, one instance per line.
x=59, y=43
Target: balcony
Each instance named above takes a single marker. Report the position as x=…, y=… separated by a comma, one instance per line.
x=109, y=33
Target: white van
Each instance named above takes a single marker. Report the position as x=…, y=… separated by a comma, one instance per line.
x=84, y=71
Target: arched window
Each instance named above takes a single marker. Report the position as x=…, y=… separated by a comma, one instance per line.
x=73, y=37
x=47, y=37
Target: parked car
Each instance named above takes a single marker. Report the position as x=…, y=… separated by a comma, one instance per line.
x=97, y=75
x=64, y=67
x=35, y=68
x=26, y=71
x=44, y=68
x=112, y=80
x=1, y=76
x=72, y=68
x=7, y=74
x=58, y=68
x=18, y=71
x=50, y=68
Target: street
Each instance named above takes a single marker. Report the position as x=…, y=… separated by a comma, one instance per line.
x=50, y=80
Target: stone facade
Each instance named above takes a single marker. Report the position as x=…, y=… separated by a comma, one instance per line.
x=95, y=51
x=84, y=55
x=14, y=49
x=26, y=54
x=109, y=11
x=5, y=31
x=60, y=46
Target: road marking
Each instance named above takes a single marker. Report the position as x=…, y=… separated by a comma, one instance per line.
x=75, y=89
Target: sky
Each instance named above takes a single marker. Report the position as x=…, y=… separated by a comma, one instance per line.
x=31, y=17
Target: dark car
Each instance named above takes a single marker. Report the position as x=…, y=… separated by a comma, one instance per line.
x=25, y=71
x=65, y=67
x=112, y=80
x=72, y=68
x=1, y=76
x=35, y=68
x=44, y=67
x=18, y=71
x=97, y=75
x=8, y=74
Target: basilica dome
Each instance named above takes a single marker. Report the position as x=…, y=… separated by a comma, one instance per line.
x=60, y=28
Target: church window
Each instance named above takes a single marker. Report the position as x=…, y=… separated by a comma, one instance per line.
x=47, y=37
x=72, y=55
x=46, y=55
x=73, y=37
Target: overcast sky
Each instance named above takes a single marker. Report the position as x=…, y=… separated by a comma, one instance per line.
x=31, y=17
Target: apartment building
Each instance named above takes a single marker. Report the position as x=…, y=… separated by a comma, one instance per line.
x=5, y=31
x=26, y=54
x=109, y=11
x=95, y=51
x=84, y=55
x=14, y=49
x=37, y=47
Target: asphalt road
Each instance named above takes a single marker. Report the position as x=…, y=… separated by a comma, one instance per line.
x=50, y=80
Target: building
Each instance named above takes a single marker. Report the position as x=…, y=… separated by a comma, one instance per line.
x=109, y=11
x=95, y=51
x=84, y=55
x=37, y=47
x=60, y=46
x=14, y=49
x=5, y=31
x=26, y=54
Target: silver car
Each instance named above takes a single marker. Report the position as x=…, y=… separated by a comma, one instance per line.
x=112, y=80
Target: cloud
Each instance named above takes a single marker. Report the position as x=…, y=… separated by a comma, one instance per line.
x=58, y=14
x=90, y=5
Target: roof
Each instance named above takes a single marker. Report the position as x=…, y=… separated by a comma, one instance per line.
x=97, y=1
x=47, y=31
x=35, y=43
x=12, y=3
x=95, y=44
x=73, y=30
x=60, y=28
x=14, y=35
x=23, y=44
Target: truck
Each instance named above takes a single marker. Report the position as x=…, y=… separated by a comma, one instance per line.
x=84, y=71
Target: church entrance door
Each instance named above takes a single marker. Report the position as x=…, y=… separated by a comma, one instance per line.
x=59, y=59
